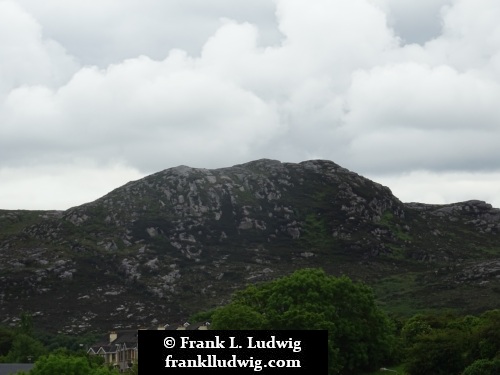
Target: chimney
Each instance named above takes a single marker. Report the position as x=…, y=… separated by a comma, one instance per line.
x=204, y=326
x=112, y=336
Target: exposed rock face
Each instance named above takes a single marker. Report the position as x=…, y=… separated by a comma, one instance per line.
x=184, y=239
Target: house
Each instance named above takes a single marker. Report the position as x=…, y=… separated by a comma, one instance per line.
x=14, y=368
x=119, y=348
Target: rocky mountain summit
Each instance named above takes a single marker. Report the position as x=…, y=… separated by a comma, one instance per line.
x=182, y=240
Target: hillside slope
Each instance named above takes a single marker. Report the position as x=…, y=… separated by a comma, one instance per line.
x=182, y=240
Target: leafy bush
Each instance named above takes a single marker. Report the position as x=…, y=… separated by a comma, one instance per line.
x=361, y=337
x=439, y=352
x=68, y=365
x=483, y=367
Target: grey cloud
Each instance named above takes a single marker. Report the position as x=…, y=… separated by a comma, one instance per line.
x=109, y=31
x=415, y=21
x=324, y=79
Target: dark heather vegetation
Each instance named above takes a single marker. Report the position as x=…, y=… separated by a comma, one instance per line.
x=183, y=240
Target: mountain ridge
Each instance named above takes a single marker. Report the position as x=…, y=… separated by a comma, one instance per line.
x=183, y=239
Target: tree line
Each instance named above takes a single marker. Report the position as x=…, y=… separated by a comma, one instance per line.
x=361, y=336
x=51, y=354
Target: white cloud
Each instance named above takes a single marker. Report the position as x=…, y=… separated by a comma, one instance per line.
x=26, y=58
x=415, y=116
x=471, y=34
x=336, y=79
x=46, y=187
x=142, y=112
x=443, y=187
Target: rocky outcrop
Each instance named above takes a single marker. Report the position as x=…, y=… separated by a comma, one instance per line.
x=184, y=239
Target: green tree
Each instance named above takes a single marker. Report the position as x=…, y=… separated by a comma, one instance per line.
x=73, y=343
x=413, y=328
x=240, y=316
x=6, y=337
x=203, y=316
x=134, y=370
x=361, y=337
x=68, y=365
x=26, y=324
x=446, y=343
x=24, y=349
x=485, y=340
x=483, y=367
x=439, y=352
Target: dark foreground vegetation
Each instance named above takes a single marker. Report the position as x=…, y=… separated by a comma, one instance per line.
x=51, y=354
x=362, y=337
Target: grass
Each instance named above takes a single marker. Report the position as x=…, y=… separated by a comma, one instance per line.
x=397, y=252
x=13, y=222
x=315, y=232
x=397, y=294
x=387, y=220
x=489, y=251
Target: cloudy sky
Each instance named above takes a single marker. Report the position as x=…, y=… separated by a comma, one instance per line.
x=94, y=94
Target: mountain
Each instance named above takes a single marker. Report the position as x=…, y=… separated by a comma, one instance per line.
x=182, y=240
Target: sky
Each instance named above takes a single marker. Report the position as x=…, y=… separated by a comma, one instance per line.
x=94, y=94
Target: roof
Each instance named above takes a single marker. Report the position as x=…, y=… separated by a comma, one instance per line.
x=124, y=338
x=198, y=325
x=14, y=368
x=176, y=326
